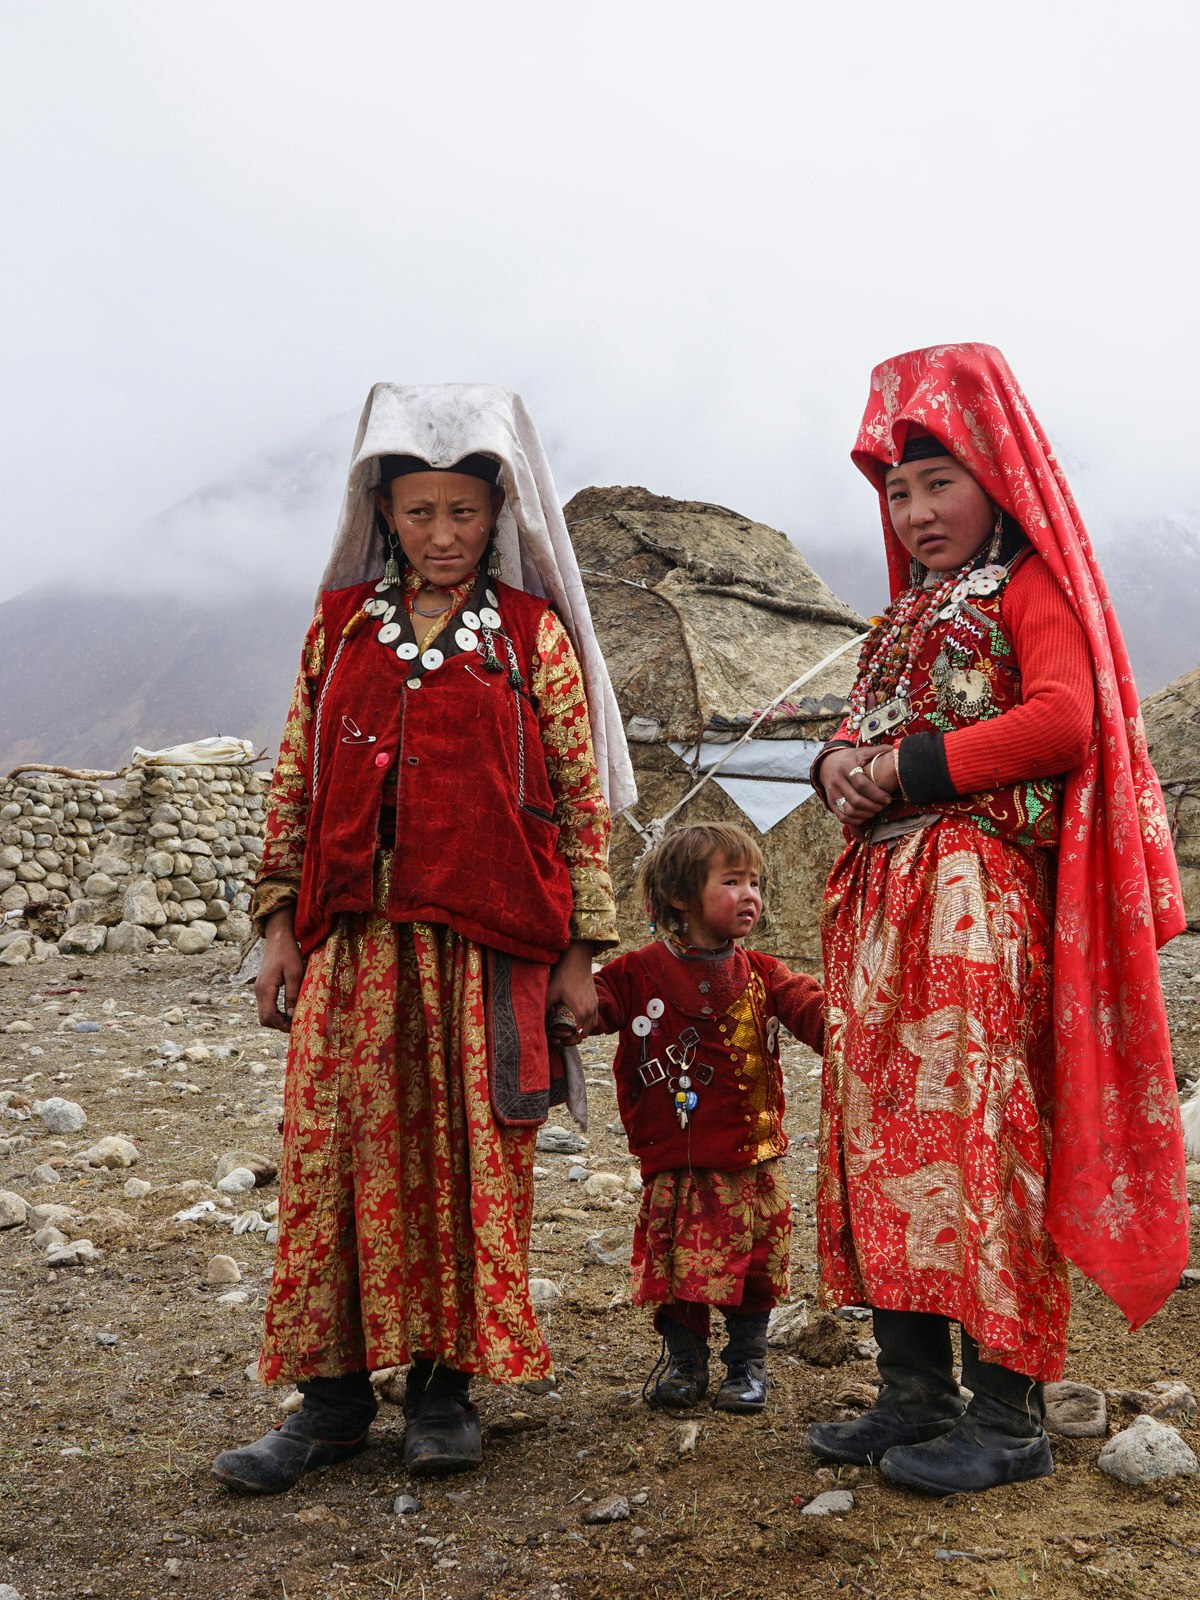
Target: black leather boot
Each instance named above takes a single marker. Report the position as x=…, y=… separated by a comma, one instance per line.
x=685, y=1381
x=919, y=1399
x=999, y=1438
x=745, y=1356
x=332, y=1425
x=443, y=1433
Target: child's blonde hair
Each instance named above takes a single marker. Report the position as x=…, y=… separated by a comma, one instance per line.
x=677, y=867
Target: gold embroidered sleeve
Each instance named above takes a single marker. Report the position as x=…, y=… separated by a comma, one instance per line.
x=278, y=880
x=580, y=808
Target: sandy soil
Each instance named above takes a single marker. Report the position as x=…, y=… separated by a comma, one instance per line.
x=122, y=1379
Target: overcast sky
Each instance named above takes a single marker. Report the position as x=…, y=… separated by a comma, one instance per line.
x=685, y=232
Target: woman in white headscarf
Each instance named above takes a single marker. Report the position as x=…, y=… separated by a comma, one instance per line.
x=434, y=885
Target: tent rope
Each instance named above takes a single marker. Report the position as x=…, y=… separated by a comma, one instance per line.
x=653, y=831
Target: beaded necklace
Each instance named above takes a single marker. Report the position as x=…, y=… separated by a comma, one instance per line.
x=878, y=702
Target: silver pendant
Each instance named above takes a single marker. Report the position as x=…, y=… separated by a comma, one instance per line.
x=884, y=718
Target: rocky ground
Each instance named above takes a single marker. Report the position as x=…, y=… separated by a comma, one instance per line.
x=123, y=1367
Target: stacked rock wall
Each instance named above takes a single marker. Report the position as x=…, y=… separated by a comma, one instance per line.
x=164, y=854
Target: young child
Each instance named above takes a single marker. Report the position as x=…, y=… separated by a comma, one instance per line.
x=701, y=1099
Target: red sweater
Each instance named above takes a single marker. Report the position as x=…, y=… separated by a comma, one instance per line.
x=717, y=1023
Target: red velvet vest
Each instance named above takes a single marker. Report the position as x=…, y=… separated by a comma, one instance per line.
x=476, y=844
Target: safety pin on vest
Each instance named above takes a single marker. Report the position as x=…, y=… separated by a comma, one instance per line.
x=354, y=734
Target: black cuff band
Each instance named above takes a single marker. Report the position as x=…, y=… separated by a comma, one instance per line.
x=924, y=773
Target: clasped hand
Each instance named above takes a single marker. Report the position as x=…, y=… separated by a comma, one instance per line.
x=850, y=793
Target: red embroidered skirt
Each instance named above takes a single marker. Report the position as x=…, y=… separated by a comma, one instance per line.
x=938, y=1087
x=404, y=1208
x=713, y=1237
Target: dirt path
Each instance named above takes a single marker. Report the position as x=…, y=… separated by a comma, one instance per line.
x=121, y=1379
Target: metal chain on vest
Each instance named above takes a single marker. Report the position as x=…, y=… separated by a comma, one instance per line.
x=316, y=759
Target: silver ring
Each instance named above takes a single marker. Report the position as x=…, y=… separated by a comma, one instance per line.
x=841, y=804
x=854, y=771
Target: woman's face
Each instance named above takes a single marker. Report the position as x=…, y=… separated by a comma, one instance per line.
x=939, y=513
x=442, y=520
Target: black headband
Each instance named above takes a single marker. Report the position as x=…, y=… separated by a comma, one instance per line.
x=919, y=446
x=485, y=468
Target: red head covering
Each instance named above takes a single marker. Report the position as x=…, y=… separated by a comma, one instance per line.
x=1118, y=1197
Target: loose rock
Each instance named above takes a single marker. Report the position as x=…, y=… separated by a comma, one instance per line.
x=786, y=1324
x=542, y=1292
x=262, y=1167
x=59, y=1115
x=604, y=1186
x=612, y=1248
x=222, y=1269
x=1147, y=1451
x=45, y=1174
x=13, y=1209
x=136, y=1188
x=74, y=1254
x=404, y=1505
x=560, y=1141
x=1075, y=1411
x=239, y=1181
x=833, y=1503
x=614, y=1509
x=112, y=1153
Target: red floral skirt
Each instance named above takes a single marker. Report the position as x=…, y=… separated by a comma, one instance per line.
x=938, y=1088
x=713, y=1237
x=404, y=1207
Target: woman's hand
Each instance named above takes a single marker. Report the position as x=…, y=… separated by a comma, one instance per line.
x=853, y=796
x=572, y=985
x=282, y=968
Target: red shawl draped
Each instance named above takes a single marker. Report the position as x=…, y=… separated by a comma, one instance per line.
x=1118, y=1198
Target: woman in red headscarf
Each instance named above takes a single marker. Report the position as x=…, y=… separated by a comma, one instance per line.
x=998, y=1093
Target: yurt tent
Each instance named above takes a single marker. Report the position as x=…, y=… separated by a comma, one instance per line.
x=705, y=619
x=1172, y=718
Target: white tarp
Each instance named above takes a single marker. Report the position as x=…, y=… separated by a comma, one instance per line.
x=764, y=777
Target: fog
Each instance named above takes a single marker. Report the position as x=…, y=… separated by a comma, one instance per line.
x=684, y=232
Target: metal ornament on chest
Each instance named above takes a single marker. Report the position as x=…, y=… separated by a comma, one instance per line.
x=681, y=1054
x=469, y=630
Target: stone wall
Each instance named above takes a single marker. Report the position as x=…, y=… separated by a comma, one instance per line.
x=162, y=854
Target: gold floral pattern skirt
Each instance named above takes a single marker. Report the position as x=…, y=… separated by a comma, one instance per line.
x=404, y=1207
x=938, y=1088
x=713, y=1237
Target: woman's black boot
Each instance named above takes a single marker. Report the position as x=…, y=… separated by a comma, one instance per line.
x=999, y=1438
x=332, y=1425
x=919, y=1399
x=685, y=1382
x=745, y=1356
x=443, y=1433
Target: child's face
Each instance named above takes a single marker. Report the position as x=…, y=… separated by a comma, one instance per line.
x=730, y=904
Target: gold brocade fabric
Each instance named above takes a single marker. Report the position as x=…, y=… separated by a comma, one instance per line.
x=404, y=1208
x=938, y=1090
x=713, y=1237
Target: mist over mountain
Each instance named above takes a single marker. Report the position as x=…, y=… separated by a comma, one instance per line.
x=192, y=626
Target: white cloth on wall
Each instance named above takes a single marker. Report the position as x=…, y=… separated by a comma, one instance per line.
x=441, y=423
x=220, y=751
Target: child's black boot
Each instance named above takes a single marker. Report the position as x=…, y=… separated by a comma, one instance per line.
x=745, y=1356
x=685, y=1381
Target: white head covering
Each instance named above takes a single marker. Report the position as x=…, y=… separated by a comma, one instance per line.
x=441, y=423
